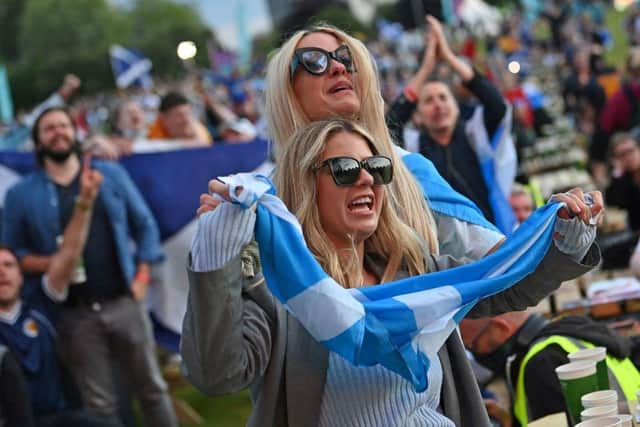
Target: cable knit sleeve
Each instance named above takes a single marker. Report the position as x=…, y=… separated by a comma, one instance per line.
x=220, y=236
x=576, y=237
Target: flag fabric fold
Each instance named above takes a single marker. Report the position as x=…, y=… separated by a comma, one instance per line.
x=401, y=324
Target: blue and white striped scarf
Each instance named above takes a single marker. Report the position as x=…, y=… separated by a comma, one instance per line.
x=401, y=324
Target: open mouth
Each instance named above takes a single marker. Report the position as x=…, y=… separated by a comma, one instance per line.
x=361, y=204
x=340, y=87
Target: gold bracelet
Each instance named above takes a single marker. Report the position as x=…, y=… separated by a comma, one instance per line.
x=83, y=206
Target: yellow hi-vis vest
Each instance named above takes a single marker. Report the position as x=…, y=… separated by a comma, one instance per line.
x=623, y=371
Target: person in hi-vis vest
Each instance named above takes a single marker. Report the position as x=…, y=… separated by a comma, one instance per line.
x=527, y=348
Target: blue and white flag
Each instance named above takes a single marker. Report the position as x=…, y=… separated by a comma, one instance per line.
x=130, y=68
x=440, y=196
x=400, y=325
x=498, y=162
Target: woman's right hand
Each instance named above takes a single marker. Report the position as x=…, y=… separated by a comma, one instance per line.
x=221, y=191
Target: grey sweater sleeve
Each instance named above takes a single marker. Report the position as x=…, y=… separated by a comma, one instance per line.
x=228, y=329
x=555, y=268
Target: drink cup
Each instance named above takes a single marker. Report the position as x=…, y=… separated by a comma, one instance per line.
x=599, y=398
x=599, y=412
x=576, y=380
x=598, y=355
x=601, y=422
x=626, y=420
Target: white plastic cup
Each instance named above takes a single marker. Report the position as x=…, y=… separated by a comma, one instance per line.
x=599, y=398
x=599, y=412
x=626, y=420
x=601, y=422
x=598, y=355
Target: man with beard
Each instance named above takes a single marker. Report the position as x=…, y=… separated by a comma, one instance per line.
x=33, y=389
x=102, y=317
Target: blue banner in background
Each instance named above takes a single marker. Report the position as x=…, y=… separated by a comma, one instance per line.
x=6, y=104
x=171, y=183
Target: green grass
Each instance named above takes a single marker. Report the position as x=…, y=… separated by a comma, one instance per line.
x=223, y=411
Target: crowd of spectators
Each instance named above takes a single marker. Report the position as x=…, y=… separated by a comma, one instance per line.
x=553, y=53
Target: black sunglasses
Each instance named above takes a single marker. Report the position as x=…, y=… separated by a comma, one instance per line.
x=316, y=60
x=346, y=170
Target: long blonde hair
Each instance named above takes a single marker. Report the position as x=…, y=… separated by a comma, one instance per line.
x=394, y=241
x=285, y=116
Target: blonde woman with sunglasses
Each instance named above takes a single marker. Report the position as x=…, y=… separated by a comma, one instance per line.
x=322, y=72
x=236, y=335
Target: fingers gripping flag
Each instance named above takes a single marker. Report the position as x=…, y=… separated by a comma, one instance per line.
x=130, y=67
x=400, y=325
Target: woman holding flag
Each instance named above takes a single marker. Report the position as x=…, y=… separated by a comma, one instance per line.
x=348, y=329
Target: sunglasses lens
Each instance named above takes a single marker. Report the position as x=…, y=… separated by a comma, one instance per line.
x=343, y=54
x=380, y=169
x=345, y=171
x=315, y=61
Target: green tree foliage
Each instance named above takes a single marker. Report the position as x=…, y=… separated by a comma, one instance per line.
x=10, y=14
x=158, y=27
x=56, y=37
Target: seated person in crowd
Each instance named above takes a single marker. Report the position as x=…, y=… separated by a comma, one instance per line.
x=527, y=348
x=237, y=130
x=15, y=404
x=27, y=331
x=624, y=188
x=521, y=203
x=176, y=120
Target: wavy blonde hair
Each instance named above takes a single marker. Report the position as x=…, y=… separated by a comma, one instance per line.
x=394, y=241
x=285, y=116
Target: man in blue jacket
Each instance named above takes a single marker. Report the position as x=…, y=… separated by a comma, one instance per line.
x=102, y=316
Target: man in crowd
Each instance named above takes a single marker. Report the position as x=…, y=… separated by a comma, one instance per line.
x=527, y=348
x=621, y=113
x=28, y=334
x=521, y=203
x=624, y=189
x=176, y=120
x=102, y=316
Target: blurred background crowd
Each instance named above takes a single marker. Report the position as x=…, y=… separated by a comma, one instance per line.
x=144, y=77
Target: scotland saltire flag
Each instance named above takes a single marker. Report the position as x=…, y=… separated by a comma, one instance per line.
x=130, y=68
x=498, y=163
x=400, y=325
x=440, y=196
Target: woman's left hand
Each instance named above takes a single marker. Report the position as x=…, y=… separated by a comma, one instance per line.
x=576, y=205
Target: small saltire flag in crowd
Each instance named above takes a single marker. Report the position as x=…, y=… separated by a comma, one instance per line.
x=400, y=325
x=130, y=68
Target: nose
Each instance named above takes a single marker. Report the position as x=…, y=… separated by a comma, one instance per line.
x=336, y=68
x=365, y=178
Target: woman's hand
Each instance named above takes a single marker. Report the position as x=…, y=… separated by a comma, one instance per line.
x=589, y=207
x=218, y=192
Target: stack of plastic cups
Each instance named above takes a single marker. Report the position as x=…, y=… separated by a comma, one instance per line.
x=576, y=380
x=614, y=421
x=598, y=355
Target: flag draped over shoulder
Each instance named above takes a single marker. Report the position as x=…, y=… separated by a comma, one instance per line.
x=400, y=324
